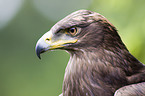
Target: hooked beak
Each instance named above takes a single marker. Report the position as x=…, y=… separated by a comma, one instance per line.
x=49, y=42
x=41, y=45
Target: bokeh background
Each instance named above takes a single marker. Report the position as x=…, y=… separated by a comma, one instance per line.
x=23, y=22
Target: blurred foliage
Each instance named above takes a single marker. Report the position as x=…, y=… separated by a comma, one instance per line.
x=22, y=73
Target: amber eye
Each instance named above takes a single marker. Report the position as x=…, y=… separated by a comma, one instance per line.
x=73, y=31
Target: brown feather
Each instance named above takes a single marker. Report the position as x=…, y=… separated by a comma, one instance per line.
x=101, y=64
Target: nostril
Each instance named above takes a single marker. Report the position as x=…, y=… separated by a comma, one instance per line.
x=47, y=39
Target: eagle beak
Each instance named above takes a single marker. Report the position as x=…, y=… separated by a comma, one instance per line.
x=49, y=41
x=41, y=47
x=42, y=44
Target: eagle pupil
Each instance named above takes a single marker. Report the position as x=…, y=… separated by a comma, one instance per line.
x=72, y=30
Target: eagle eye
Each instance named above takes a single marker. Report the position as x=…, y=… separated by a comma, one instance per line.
x=73, y=31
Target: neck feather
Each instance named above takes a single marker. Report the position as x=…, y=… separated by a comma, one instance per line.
x=103, y=63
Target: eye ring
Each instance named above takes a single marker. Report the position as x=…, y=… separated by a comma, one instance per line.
x=73, y=31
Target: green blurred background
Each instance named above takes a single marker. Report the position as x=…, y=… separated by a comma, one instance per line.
x=23, y=22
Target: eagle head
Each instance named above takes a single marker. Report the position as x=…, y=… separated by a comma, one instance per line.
x=82, y=29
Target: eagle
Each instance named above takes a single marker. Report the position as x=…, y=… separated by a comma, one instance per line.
x=99, y=64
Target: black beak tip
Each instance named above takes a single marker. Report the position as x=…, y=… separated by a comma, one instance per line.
x=38, y=55
x=38, y=51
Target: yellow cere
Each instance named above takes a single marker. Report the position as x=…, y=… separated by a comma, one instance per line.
x=60, y=43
